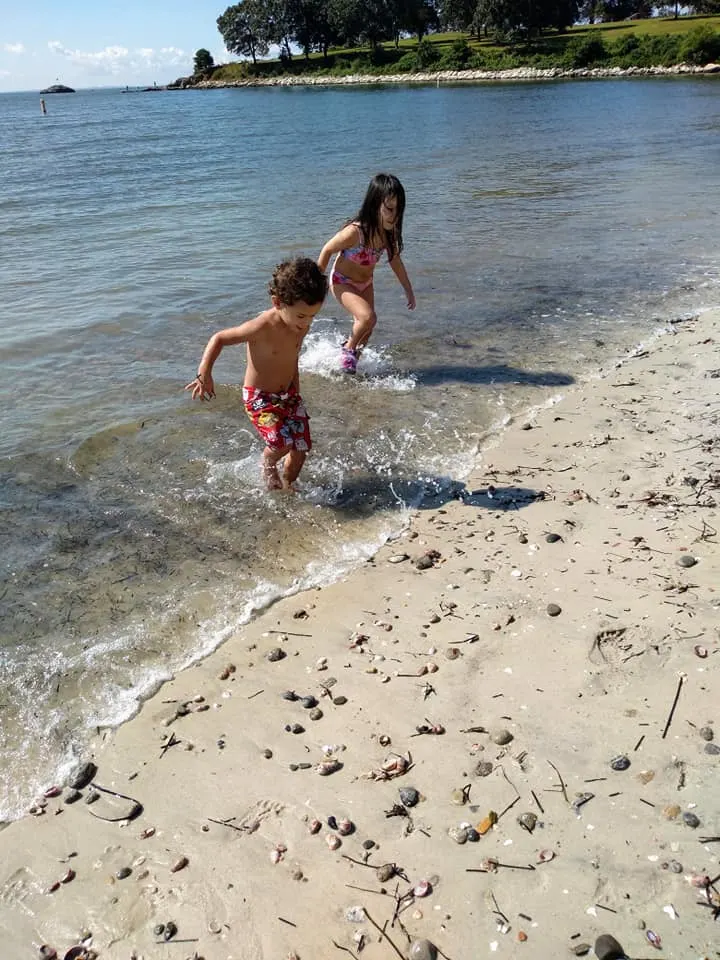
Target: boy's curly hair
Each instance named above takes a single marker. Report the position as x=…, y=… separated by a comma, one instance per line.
x=298, y=279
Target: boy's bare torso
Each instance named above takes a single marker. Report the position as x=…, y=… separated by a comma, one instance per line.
x=272, y=354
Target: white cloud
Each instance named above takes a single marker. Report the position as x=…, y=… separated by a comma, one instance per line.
x=14, y=47
x=116, y=60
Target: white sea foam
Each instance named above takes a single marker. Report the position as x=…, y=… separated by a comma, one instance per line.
x=321, y=356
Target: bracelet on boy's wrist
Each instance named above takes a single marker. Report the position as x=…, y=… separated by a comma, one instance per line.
x=199, y=377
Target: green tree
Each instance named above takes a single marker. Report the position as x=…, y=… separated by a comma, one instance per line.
x=415, y=16
x=241, y=29
x=203, y=61
x=457, y=14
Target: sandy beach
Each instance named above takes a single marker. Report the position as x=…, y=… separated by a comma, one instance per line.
x=510, y=709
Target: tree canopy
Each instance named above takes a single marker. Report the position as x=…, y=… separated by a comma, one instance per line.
x=203, y=61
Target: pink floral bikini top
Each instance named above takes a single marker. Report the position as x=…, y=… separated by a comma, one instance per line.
x=366, y=256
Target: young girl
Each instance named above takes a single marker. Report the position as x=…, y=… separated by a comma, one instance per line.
x=358, y=247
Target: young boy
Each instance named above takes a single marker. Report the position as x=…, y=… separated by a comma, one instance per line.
x=271, y=390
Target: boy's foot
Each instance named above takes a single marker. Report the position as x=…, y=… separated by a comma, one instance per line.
x=607, y=948
x=271, y=476
x=348, y=360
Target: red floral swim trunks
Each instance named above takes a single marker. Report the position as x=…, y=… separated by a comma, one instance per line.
x=280, y=418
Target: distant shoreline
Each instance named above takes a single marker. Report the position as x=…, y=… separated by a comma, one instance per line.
x=453, y=76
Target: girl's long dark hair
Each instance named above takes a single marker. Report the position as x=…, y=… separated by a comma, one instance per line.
x=383, y=186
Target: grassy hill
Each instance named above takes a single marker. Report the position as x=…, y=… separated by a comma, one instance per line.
x=660, y=41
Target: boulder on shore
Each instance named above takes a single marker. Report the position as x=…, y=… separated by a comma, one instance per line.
x=58, y=88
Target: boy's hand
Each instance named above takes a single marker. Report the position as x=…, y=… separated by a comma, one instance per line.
x=410, y=300
x=202, y=387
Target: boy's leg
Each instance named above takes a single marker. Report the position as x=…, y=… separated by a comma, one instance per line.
x=291, y=468
x=270, y=460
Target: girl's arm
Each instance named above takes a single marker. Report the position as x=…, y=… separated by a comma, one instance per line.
x=203, y=385
x=345, y=238
x=398, y=268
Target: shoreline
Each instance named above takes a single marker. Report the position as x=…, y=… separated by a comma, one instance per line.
x=590, y=504
x=459, y=76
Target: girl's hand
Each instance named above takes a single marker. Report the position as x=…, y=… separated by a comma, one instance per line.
x=202, y=387
x=410, y=300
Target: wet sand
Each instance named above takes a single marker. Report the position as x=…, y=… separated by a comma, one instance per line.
x=603, y=505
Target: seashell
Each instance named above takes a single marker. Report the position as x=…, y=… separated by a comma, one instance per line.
x=545, y=856
x=409, y=796
x=458, y=834
x=276, y=856
x=385, y=872
x=670, y=911
x=326, y=767
x=55, y=885
x=699, y=880
x=398, y=558
x=333, y=841
x=395, y=766
x=321, y=663
x=147, y=833
x=460, y=796
x=159, y=929
x=36, y=810
x=620, y=762
x=67, y=876
x=654, y=940
x=522, y=936
x=580, y=800
x=700, y=651
x=438, y=729
x=345, y=827
x=528, y=821
x=170, y=931
x=355, y=914
x=422, y=889
x=314, y=826
x=179, y=864
x=432, y=667
x=52, y=792
x=452, y=653
x=489, y=821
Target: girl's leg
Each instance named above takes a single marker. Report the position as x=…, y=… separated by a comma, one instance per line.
x=361, y=307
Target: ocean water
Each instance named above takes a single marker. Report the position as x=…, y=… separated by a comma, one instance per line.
x=549, y=228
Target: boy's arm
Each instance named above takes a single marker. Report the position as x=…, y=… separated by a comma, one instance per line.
x=203, y=385
x=345, y=238
x=398, y=268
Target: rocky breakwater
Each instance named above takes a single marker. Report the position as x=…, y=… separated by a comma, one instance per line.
x=455, y=76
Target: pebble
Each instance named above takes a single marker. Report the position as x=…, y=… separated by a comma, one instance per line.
x=458, y=834
x=712, y=748
x=472, y=834
x=690, y=820
x=267, y=753
x=398, y=558
x=484, y=768
x=620, y=763
x=315, y=826
x=170, y=931
x=214, y=927
x=72, y=796
x=707, y=733
x=295, y=728
x=82, y=775
x=308, y=702
x=452, y=653
x=423, y=950
x=409, y=796
x=339, y=701
x=92, y=796
x=686, y=560
x=552, y=538
x=159, y=929
x=47, y=953
x=553, y=610
x=581, y=949
x=528, y=821
x=671, y=812
x=385, y=872
x=675, y=867
x=316, y=714
x=275, y=654
x=368, y=844
x=290, y=695
x=123, y=873
x=501, y=737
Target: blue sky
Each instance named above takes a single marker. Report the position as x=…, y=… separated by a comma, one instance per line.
x=92, y=43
